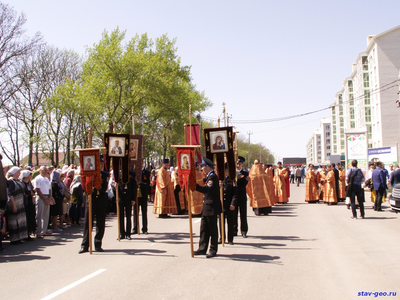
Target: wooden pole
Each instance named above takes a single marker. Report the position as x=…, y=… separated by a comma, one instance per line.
x=90, y=203
x=221, y=194
x=137, y=210
x=117, y=193
x=190, y=221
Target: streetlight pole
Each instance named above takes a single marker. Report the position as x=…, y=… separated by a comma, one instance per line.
x=248, y=153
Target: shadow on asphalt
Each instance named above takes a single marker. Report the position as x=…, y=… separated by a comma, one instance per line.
x=167, y=237
x=254, y=258
x=5, y=258
x=144, y=252
x=380, y=218
x=280, y=238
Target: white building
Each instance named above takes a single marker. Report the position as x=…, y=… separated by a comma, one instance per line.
x=367, y=98
x=319, y=145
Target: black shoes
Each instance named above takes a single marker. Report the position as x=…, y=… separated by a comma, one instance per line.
x=128, y=237
x=134, y=232
x=244, y=234
x=354, y=217
x=199, y=252
x=99, y=249
x=211, y=254
x=145, y=232
x=83, y=250
x=230, y=243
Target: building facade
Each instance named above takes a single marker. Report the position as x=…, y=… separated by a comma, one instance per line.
x=319, y=145
x=367, y=98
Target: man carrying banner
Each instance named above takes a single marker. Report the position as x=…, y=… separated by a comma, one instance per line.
x=211, y=208
x=144, y=191
x=99, y=200
x=164, y=201
x=242, y=180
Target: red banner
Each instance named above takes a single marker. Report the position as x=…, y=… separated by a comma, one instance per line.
x=195, y=130
x=90, y=168
x=186, y=168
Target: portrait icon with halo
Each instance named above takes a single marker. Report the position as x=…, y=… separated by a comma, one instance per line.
x=218, y=140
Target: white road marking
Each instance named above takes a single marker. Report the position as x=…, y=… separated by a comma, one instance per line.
x=73, y=285
x=153, y=244
x=197, y=221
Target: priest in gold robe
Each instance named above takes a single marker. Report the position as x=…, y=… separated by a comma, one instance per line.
x=164, y=200
x=257, y=190
x=342, y=183
x=269, y=171
x=312, y=194
x=281, y=175
x=330, y=187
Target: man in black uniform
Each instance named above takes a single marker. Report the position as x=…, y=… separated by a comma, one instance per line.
x=144, y=191
x=336, y=181
x=242, y=180
x=127, y=197
x=211, y=208
x=99, y=199
x=230, y=199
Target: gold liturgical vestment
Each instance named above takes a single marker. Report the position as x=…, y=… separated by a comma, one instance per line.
x=330, y=188
x=257, y=188
x=281, y=175
x=270, y=185
x=342, y=184
x=164, y=203
x=312, y=193
x=197, y=201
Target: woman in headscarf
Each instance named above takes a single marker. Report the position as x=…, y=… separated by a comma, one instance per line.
x=57, y=189
x=30, y=209
x=76, y=200
x=16, y=217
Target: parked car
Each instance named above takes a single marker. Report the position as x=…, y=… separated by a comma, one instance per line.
x=394, y=198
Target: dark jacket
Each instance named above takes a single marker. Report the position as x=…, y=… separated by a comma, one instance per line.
x=211, y=200
x=145, y=184
x=378, y=179
x=229, y=194
x=395, y=177
x=127, y=192
x=242, y=181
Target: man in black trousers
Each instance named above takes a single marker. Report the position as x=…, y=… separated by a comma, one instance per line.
x=99, y=199
x=211, y=208
x=127, y=198
x=336, y=171
x=242, y=180
x=144, y=191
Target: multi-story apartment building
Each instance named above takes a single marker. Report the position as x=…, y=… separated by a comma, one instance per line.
x=367, y=98
x=319, y=145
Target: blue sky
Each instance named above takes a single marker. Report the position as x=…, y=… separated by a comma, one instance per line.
x=264, y=59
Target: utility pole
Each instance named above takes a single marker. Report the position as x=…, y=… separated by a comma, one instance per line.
x=260, y=152
x=248, y=153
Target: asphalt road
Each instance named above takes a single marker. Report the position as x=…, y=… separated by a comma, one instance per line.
x=300, y=251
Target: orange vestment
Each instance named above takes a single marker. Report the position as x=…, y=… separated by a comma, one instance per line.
x=330, y=188
x=164, y=203
x=281, y=175
x=257, y=188
x=311, y=186
x=197, y=197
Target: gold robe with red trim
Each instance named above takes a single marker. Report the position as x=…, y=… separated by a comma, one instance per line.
x=342, y=184
x=330, y=188
x=164, y=203
x=281, y=175
x=270, y=185
x=257, y=188
x=312, y=193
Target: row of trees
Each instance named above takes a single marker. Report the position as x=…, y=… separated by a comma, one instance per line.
x=50, y=97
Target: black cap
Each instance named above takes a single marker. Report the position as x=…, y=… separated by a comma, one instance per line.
x=241, y=159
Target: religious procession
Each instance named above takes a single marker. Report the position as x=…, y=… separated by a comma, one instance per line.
x=114, y=179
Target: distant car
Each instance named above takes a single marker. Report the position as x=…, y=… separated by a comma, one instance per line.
x=394, y=198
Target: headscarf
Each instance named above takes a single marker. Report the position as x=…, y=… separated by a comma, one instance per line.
x=55, y=176
x=25, y=173
x=13, y=170
x=75, y=184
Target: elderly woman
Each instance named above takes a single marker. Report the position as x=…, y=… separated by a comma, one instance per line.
x=16, y=217
x=30, y=205
x=76, y=191
x=57, y=190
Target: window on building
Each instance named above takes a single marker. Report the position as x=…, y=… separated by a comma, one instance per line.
x=335, y=149
x=334, y=129
x=365, y=63
x=367, y=114
x=369, y=127
x=351, y=99
x=370, y=146
x=334, y=139
x=319, y=147
x=341, y=146
x=367, y=97
x=340, y=99
x=328, y=154
x=327, y=127
x=342, y=133
x=334, y=120
x=341, y=122
x=366, y=80
x=350, y=85
x=328, y=147
x=352, y=124
x=333, y=110
x=328, y=141
x=351, y=113
x=327, y=134
x=340, y=110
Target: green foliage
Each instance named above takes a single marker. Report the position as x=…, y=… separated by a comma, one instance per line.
x=243, y=150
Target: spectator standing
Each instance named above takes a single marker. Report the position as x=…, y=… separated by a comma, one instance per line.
x=395, y=176
x=379, y=182
x=354, y=178
x=298, y=175
x=30, y=209
x=43, y=190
